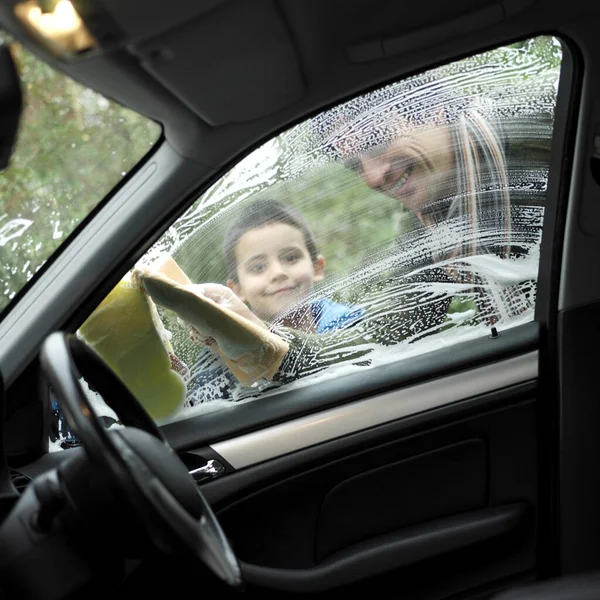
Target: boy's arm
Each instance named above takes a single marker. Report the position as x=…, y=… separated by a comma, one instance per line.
x=297, y=355
x=306, y=353
x=309, y=353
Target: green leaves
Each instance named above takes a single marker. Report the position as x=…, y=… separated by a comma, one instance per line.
x=74, y=146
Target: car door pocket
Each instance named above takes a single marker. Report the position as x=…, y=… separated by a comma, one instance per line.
x=446, y=481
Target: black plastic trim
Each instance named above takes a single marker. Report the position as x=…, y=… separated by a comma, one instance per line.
x=547, y=304
x=582, y=587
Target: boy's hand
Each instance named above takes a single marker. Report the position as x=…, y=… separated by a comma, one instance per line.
x=224, y=296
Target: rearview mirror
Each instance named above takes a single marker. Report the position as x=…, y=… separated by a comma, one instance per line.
x=11, y=102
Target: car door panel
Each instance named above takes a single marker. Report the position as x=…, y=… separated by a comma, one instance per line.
x=444, y=493
x=450, y=489
x=436, y=473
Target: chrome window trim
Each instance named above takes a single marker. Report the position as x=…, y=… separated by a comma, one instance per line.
x=272, y=442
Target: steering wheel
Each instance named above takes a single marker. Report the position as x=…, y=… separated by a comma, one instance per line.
x=137, y=458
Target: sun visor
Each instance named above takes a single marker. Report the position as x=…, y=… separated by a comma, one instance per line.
x=249, y=73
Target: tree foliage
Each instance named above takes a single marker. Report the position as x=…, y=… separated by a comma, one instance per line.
x=74, y=146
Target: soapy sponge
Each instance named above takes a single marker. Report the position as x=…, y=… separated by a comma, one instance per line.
x=126, y=331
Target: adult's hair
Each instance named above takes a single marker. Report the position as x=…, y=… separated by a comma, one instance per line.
x=259, y=214
x=481, y=204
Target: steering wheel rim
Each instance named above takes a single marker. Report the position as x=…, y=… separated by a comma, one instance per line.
x=65, y=359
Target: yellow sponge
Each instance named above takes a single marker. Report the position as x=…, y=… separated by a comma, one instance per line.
x=126, y=331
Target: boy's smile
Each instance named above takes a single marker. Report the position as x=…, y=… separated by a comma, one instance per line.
x=284, y=291
x=274, y=268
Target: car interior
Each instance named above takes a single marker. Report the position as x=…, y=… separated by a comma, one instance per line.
x=452, y=465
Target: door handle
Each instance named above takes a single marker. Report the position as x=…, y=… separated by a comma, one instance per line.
x=211, y=470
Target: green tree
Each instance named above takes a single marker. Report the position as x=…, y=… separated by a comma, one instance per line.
x=74, y=146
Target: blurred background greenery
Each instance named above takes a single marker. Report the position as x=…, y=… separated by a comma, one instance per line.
x=348, y=221
x=73, y=147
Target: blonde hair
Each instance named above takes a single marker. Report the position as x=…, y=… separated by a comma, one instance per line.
x=481, y=203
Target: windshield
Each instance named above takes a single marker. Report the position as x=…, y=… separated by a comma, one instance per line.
x=74, y=146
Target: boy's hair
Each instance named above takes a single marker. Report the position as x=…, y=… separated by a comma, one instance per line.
x=257, y=215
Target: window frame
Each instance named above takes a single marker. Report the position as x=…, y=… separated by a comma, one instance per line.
x=266, y=410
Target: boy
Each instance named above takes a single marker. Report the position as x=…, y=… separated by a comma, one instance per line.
x=272, y=265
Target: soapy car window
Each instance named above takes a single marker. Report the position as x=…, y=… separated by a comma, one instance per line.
x=423, y=202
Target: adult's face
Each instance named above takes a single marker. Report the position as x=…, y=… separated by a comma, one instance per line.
x=416, y=168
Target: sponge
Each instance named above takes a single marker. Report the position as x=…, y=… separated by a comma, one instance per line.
x=126, y=331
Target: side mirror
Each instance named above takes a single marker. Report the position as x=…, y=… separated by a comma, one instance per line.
x=11, y=103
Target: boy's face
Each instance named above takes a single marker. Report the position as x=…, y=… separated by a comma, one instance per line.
x=274, y=269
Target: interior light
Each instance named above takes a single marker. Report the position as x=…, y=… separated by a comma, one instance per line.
x=62, y=30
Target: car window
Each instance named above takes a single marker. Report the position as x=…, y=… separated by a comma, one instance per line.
x=73, y=147
x=405, y=220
